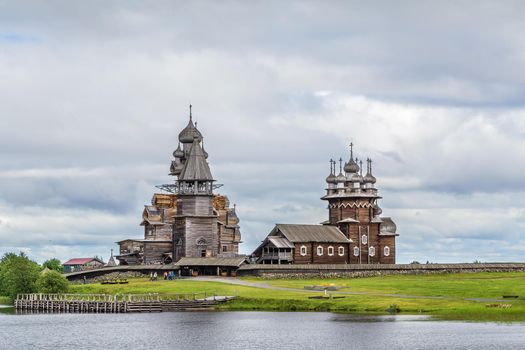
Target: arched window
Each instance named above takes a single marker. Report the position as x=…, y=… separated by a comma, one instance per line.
x=364, y=239
x=387, y=251
x=303, y=250
x=341, y=250
x=356, y=251
x=372, y=251
x=330, y=250
x=319, y=250
x=201, y=241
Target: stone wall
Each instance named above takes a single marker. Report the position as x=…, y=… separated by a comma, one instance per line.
x=352, y=271
x=113, y=276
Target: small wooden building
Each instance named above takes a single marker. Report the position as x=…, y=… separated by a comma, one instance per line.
x=214, y=266
x=82, y=264
x=304, y=244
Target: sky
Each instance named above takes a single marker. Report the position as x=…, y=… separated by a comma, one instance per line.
x=94, y=93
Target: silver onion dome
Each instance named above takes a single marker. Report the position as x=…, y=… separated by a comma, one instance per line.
x=178, y=153
x=351, y=167
x=340, y=178
x=356, y=178
x=189, y=133
x=369, y=178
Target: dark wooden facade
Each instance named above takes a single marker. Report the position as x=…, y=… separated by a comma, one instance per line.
x=353, y=210
x=353, y=207
x=303, y=244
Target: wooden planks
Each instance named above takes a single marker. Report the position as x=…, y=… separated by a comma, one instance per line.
x=103, y=303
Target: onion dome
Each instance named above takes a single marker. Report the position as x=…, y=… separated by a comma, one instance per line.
x=340, y=178
x=175, y=168
x=178, y=153
x=351, y=166
x=369, y=177
x=190, y=132
x=377, y=210
x=331, y=179
x=356, y=178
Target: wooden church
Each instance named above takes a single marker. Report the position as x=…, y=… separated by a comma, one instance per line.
x=186, y=220
x=355, y=232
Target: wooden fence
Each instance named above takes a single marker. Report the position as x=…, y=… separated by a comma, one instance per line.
x=120, y=303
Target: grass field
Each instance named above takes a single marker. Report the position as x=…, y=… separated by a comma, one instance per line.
x=413, y=294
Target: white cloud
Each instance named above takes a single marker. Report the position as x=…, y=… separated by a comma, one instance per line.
x=92, y=97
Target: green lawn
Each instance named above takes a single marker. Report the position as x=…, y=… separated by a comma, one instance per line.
x=459, y=285
x=454, y=287
x=5, y=300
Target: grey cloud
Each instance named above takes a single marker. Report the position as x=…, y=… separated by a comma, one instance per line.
x=431, y=91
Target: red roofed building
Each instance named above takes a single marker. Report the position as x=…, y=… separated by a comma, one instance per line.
x=80, y=264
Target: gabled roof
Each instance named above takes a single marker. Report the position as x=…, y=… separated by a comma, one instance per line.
x=233, y=262
x=81, y=261
x=280, y=242
x=347, y=220
x=311, y=233
x=196, y=166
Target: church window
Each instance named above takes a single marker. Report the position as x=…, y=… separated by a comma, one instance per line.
x=372, y=251
x=341, y=251
x=356, y=251
x=303, y=250
x=224, y=248
x=387, y=251
x=330, y=250
x=201, y=241
x=319, y=250
x=364, y=239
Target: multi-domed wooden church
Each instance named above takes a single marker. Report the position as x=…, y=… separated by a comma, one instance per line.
x=187, y=220
x=354, y=233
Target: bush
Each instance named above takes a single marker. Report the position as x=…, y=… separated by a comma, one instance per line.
x=18, y=274
x=53, y=264
x=52, y=282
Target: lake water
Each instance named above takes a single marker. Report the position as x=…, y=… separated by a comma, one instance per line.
x=250, y=330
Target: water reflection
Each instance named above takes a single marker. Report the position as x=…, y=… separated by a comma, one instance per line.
x=378, y=318
x=250, y=330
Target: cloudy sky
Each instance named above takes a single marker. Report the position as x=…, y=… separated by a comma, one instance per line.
x=94, y=93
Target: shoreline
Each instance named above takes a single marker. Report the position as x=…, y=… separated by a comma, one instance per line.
x=455, y=297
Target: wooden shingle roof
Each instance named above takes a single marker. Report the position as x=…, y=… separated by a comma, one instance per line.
x=311, y=233
x=196, y=166
x=229, y=262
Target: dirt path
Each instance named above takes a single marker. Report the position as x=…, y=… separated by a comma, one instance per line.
x=263, y=285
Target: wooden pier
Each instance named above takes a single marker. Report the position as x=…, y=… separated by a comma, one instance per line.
x=124, y=303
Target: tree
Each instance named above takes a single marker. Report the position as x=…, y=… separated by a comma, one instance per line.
x=53, y=264
x=52, y=282
x=18, y=274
